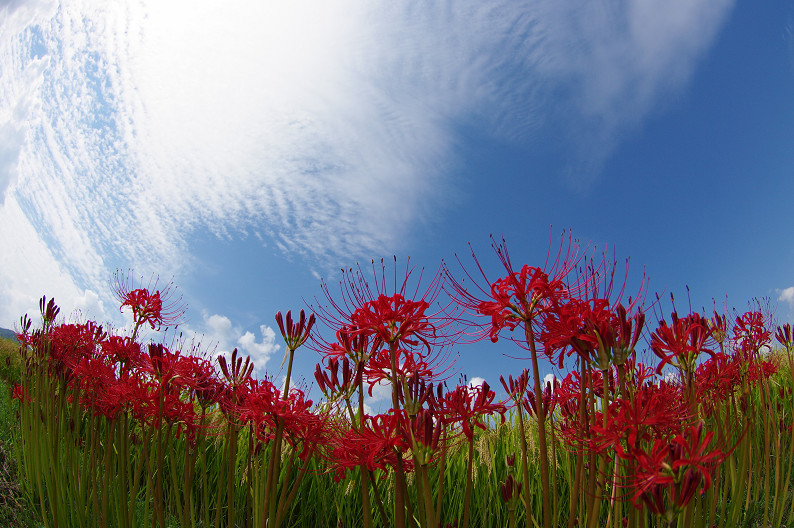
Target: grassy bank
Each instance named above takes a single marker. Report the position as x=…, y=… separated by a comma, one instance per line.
x=16, y=511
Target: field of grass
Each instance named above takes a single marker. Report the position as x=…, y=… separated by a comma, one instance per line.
x=322, y=502
x=16, y=511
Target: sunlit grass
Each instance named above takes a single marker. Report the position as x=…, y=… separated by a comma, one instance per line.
x=740, y=496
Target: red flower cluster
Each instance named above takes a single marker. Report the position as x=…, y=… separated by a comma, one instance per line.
x=680, y=467
x=150, y=305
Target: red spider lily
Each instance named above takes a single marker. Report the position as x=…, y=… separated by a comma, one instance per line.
x=719, y=328
x=128, y=392
x=519, y=296
x=653, y=413
x=63, y=346
x=237, y=375
x=628, y=334
x=761, y=369
x=264, y=407
x=393, y=311
x=389, y=328
x=171, y=370
x=152, y=305
x=680, y=466
x=408, y=365
x=377, y=444
x=425, y=433
x=331, y=386
x=92, y=377
x=568, y=395
x=395, y=320
x=121, y=350
x=160, y=407
x=516, y=388
x=415, y=392
x=548, y=400
x=18, y=393
x=750, y=334
x=584, y=327
x=716, y=379
x=295, y=334
x=468, y=406
x=350, y=343
x=681, y=343
x=49, y=311
x=510, y=490
x=785, y=336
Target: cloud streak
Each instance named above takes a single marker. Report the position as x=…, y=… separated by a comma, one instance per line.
x=329, y=129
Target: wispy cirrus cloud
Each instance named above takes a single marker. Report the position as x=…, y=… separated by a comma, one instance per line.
x=331, y=129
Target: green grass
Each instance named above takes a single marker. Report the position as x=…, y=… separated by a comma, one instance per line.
x=316, y=505
x=15, y=509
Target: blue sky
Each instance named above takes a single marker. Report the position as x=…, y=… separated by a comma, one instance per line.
x=247, y=150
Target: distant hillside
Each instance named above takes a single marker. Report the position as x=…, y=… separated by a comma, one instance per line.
x=5, y=333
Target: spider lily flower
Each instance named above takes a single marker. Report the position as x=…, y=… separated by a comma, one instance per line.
x=408, y=365
x=680, y=467
x=719, y=328
x=519, y=297
x=425, y=433
x=516, y=388
x=371, y=313
x=510, y=490
x=681, y=342
x=238, y=381
x=750, y=334
x=150, y=305
x=548, y=400
x=331, y=386
x=650, y=414
x=375, y=445
x=395, y=320
x=295, y=334
x=785, y=336
x=49, y=311
x=469, y=406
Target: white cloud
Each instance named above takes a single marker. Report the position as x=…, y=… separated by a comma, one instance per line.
x=620, y=61
x=328, y=128
x=787, y=296
x=91, y=306
x=30, y=271
x=227, y=336
x=476, y=382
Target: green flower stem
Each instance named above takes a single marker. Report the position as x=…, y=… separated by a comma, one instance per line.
x=524, y=465
x=440, y=480
x=286, y=502
x=467, y=494
x=366, y=507
x=384, y=518
x=400, y=498
x=577, y=483
x=428, y=498
x=600, y=482
x=106, y=473
x=540, y=414
x=232, y=434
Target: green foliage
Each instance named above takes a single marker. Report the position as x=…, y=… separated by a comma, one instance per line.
x=10, y=361
x=15, y=509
